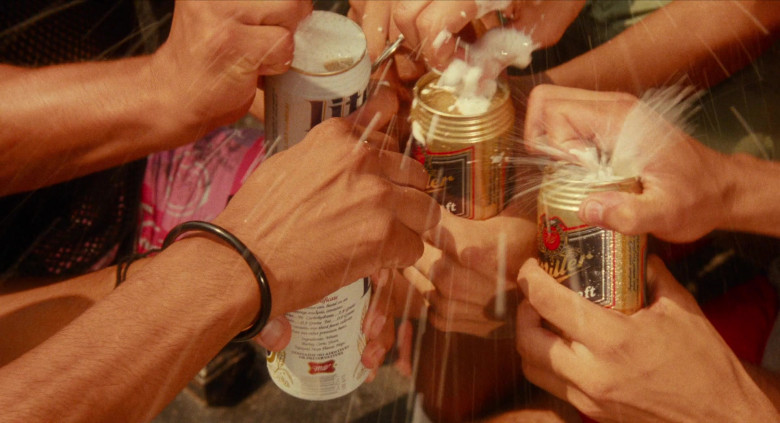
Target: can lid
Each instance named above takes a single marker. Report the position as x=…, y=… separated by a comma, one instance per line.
x=328, y=43
x=565, y=185
x=435, y=117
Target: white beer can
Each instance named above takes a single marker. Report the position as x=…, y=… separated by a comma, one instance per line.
x=328, y=78
x=322, y=360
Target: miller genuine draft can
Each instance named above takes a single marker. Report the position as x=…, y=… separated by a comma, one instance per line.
x=464, y=154
x=328, y=78
x=604, y=266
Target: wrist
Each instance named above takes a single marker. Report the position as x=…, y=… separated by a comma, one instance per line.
x=212, y=278
x=173, y=117
x=750, y=192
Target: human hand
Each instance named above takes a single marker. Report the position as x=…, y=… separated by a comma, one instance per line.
x=685, y=184
x=331, y=210
x=428, y=25
x=655, y=365
x=464, y=269
x=376, y=19
x=215, y=53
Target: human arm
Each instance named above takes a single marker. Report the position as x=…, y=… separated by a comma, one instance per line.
x=703, y=41
x=655, y=365
x=130, y=353
x=68, y=120
x=689, y=190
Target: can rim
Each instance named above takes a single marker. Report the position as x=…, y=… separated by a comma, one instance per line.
x=427, y=78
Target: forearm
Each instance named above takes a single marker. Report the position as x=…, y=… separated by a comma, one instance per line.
x=703, y=41
x=33, y=310
x=752, y=196
x=65, y=121
x=130, y=354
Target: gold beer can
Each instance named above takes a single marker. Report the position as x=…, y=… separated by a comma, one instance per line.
x=464, y=154
x=604, y=266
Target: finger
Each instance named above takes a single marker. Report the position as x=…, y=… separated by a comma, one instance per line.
x=375, y=139
x=436, y=26
x=407, y=65
x=540, y=347
x=405, y=18
x=557, y=386
x=287, y=14
x=378, y=324
x=382, y=101
x=564, y=308
x=455, y=281
x=416, y=209
x=627, y=213
x=402, y=246
x=376, y=25
x=275, y=335
x=404, y=347
x=421, y=284
x=268, y=50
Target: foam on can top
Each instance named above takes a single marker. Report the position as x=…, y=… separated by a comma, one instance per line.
x=327, y=42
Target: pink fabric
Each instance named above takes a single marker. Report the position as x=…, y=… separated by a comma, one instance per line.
x=195, y=181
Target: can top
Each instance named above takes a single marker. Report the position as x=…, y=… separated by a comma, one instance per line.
x=327, y=43
x=565, y=185
x=442, y=101
x=436, y=119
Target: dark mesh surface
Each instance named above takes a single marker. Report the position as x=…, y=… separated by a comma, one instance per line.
x=69, y=228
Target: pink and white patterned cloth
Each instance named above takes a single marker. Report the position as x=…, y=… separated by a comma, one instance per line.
x=195, y=181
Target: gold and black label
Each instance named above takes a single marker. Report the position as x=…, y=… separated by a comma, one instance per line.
x=451, y=178
x=601, y=265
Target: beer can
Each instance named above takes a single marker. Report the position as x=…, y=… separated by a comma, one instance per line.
x=604, y=266
x=464, y=154
x=328, y=77
x=322, y=360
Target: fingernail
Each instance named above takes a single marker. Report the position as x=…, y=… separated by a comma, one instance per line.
x=271, y=333
x=375, y=329
x=594, y=211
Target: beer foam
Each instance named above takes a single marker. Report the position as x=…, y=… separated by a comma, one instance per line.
x=474, y=81
x=327, y=42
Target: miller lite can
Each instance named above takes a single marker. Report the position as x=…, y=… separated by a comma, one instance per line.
x=328, y=77
x=464, y=154
x=604, y=266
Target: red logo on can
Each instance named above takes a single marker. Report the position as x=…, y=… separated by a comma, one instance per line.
x=326, y=367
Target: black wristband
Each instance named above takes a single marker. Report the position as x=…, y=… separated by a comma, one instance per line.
x=251, y=260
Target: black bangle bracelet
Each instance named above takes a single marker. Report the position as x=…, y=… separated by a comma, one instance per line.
x=251, y=260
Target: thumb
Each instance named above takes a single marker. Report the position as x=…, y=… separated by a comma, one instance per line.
x=275, y=335
x=627, y=213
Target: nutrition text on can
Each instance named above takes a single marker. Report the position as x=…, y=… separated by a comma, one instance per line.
x=464, y=154
x=604, y=266
x=328, y=78
x=322, y=360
